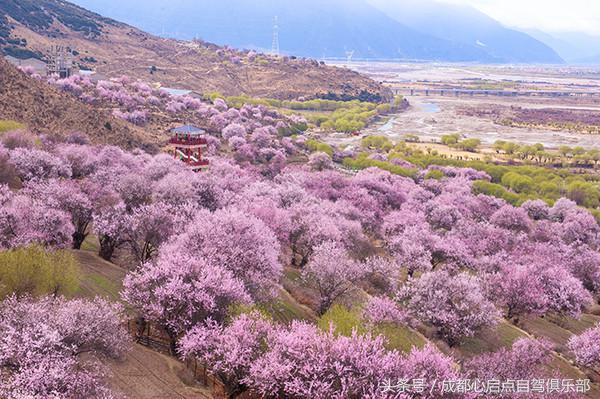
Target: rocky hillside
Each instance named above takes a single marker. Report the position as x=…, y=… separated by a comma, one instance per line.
x=30, y=27
x=45, y=109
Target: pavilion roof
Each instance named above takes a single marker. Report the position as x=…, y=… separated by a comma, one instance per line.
x=189, y=130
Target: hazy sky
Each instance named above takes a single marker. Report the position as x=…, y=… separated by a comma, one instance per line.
x=548, y=15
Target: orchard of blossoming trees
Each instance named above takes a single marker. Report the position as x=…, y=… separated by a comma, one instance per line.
x=43, y=341
x=140, y=103
x=418, y=253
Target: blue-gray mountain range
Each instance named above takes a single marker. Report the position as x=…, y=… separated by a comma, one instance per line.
x=369, y=29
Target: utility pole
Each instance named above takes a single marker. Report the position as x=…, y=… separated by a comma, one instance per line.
x=349, y=55
x=60, y=61
x=275, y=43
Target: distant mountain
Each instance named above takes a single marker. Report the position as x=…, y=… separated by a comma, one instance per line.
x=311, y=28
x=383, y=29
x=591, y=60
x=573, y=47
x=467, y=26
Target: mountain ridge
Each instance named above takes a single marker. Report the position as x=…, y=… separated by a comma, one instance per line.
x=325, y=29
x=468, y=26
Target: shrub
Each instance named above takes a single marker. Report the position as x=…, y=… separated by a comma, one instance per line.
x=435, y=174
x=7, y=126
x=469, y=144
x=362, y=162
x=342, y=320
x=495, y=190
x=36, y=271
x=377, y=142
x=517, y=182
x=18, y=138
x=450, y=139
x=317, y=146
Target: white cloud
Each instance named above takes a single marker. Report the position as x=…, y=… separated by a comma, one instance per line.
x=548, y=15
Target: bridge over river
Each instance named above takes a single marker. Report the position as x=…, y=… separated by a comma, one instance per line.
x=486, y=93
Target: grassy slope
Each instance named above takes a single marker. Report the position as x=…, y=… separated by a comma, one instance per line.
x=98, y=277
x=294, y=303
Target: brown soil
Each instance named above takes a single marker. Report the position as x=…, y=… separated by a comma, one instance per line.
x=146, y=374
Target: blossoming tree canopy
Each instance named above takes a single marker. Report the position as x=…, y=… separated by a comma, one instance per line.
x=44, y=340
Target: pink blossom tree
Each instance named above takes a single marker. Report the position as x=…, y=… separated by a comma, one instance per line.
x=76, y=198
x=519, y=289
x=429, y=365
x=149, y=226
x=535, y=279
x=565, y=294
x=536, y=209
x=584, y=263
x=163, y=165
x=300, y=361
x=217, y=122
x=267, y=210
x=234, y=130
x=179, y=291
x=111, y=224
x=316, y=222
x=527, y=359
x=230, y=351
x=81, y=158
x=382, y=273
x=332, y=272
x=580, y=227
x=320, y=161
x=511, y=218
x=220, y=104
x=137, y=117
x=455, y=305
x=32, y=163
x=18, y=139
x=379, y=310
x=23, y=222
x=135, y=190
x=5, y=194
x=303, y=362
x=240, y=243
x=43, y=342
x=586, y=347
x=8, y=172
x=176, y=189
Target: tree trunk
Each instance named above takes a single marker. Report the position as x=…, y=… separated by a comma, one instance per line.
x=107, y=249
x=172, y=341
x=233, y=392
x=78, y=239
x=324, y=306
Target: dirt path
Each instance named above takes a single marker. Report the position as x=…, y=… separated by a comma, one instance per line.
x=99, y=277
x=146, y=374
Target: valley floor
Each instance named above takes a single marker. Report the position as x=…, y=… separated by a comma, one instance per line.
x=432, y=117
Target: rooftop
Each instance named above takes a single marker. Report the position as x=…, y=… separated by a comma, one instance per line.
x=190, y=130
x=176, y=92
